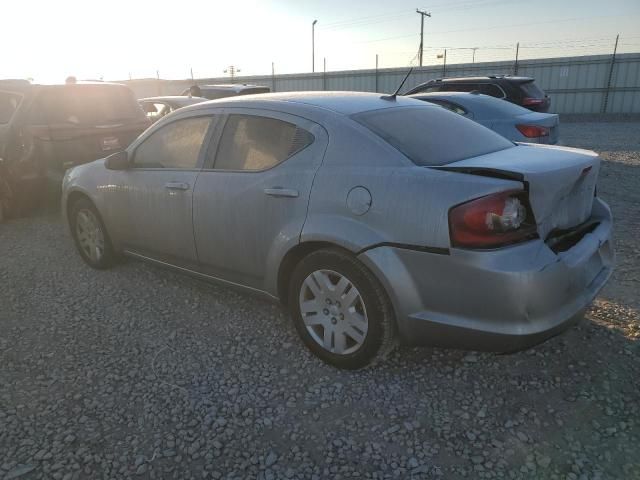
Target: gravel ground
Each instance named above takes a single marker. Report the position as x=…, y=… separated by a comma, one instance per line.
x=138, y=372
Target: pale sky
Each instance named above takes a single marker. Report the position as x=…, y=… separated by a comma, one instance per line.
x=48, y=40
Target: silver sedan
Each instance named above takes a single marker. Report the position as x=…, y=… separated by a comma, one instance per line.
x=373, y=219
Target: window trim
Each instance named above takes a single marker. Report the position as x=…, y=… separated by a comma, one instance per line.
x=214, y=147
x=203, y=147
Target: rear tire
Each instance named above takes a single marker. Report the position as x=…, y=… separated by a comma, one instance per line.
x=340, y=310
x=90, y=235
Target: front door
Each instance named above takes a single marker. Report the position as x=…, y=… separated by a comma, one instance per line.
x=251, y=199
x=150, y=204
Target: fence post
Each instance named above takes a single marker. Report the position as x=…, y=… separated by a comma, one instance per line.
x=273, y=77
x=324, y=74
x=444, y=64
x=515, y=65
x=376, y=73
x=605, y=98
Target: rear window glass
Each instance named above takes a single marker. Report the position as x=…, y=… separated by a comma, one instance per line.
x=91, y=105
x=491, y=90
x=252, y=91
x=460, y=87
x=9, y=103
x=432, y=136
x=500, y=108
x=532, y=90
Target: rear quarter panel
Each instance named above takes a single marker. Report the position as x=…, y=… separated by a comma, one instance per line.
x=409, y=204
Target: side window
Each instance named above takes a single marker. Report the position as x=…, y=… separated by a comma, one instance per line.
x=176, y=145
x=251, y=142
x=460, y=87
x=492, y=90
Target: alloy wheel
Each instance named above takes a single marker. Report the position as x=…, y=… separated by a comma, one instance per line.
x=90, y=235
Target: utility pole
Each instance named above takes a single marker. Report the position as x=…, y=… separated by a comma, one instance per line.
x=324, y=73
x=273, y=77
x=444, y=62
x=422, y=15
x=232, y=70
x=313, y=46
x=376, y=72
x=474, y=54
x=605, y=98
x=515, y=66
x=191, y=74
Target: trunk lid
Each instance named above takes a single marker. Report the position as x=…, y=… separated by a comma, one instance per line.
x=561, y=181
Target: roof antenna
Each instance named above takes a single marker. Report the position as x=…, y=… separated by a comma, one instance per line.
x=393, y=96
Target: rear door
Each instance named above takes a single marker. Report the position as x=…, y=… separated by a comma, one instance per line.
x=149, y=206
x=91, y=121
x=250, y=202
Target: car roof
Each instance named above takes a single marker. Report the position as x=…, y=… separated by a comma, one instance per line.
x=173, y=98
x=345, y=103
x=238, y=87
x=483, y=79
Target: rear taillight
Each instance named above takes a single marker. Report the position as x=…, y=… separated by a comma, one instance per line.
x=493, y=221
x=533, y=131
x=529, y=101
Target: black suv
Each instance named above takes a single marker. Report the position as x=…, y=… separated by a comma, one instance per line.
x=519, y=90
x=46, y=129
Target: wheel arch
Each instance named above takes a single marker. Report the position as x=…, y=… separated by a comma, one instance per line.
x=294, y=256
x=72, y=197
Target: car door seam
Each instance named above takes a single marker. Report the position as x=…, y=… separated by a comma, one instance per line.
x=313, y=180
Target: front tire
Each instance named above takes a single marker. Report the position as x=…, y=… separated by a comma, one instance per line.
x=340, y=310
x=90, y=235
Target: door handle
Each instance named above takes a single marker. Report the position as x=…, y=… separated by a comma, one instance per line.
x=177, y=185
x=281, y=192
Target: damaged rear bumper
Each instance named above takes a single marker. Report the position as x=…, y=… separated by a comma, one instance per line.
x=499, y=300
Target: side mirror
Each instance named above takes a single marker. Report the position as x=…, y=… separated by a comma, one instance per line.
x=117, y=161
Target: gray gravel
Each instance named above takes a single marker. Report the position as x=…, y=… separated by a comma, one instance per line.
x=142, y=373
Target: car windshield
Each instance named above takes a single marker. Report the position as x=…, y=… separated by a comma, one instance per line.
x=432, y=136
x=91, y=104
x=8, y=105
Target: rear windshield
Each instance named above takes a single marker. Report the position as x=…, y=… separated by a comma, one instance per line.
x=9, y=103
x=499, y=108
x=90, y=105
x=432, y=136
x=532, y=90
